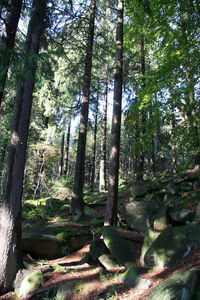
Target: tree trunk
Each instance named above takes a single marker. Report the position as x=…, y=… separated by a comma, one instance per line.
x=102, y=171
x=62, y=154
x=7, y=40
x=10, y=250
x=77, y=204
x=190, y=101
x=67, y=147
x=94, y=145
x=141, y=156
x=112, y=199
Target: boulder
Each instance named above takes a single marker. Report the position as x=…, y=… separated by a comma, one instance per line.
x=43, y=245
x=180, y=286
x=30, y=282
x=150, y=236
x=159, y=221
x=181, y=216
x=53, y=203
x=98, y=248
x=108, y=262
x=131, y=278
x=54, y=240
x=121, y=249
x=171, y=245
x=136, y=212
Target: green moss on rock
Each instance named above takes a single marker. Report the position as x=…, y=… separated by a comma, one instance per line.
x=121, y=249
x=179, y=287
x=30, y=283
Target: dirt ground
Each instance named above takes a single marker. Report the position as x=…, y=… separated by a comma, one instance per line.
x=84, y=282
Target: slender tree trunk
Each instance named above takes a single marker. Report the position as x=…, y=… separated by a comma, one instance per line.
x=39, y=176
x=102, y=171
x=94, y=145
x=77, y=204
x=62, y=154
x=7, y=40
x=141, y=156
x=112, y=199
x=193, y=120
x=10, y=250
x=67, y=146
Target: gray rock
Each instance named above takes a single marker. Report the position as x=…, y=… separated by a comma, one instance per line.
x=179, y=287
x=150, y=236
x=30, y=283
x=171, y=245
x=121, y=249
x=44, y=245
x=98, y=248
x=131, y=278
x=182, y=216
x=136, y=212
x=108, y=262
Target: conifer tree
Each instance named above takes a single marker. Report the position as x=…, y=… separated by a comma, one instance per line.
x=10, y=227
x=112, y=198
x=77, y=204
x=11, y=11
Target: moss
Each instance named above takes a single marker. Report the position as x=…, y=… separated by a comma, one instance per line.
x=64, y=236
x=114, y=242
x=30, y=283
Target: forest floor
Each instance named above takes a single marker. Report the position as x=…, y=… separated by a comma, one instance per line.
x=80, y=281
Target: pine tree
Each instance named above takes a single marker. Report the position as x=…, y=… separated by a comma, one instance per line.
x=7, y=39
x=77, y=204
x=10, y=249
x=112, y=198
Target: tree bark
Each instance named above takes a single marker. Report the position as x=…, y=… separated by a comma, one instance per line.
x=10, y=250
x=7, y=40
x=67, y=147
x=112, y=199
x=77, y=204
x=141, y=156
x=102, y=171
x=94, y=145
x=62, y=154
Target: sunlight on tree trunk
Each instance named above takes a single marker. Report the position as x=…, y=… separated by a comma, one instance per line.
x=112, y=198
x=77, y=204
x=17, y=152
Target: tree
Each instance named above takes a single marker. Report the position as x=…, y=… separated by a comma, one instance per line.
x=93, y=167
x=77, y=204
x=10, y=249
x=10, y=13
x=102, y=169
x=112, y=198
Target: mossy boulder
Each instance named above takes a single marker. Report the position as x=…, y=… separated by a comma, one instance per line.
x=150, y=236
x=108, y=262
x=137, y=212
x=54, y=240
x=132, y=278
x=171, y=245
x=43, y=245
x=178, y=287
x=98, y=248
x=121, y=249
x=30, y=283
x=181, y=216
